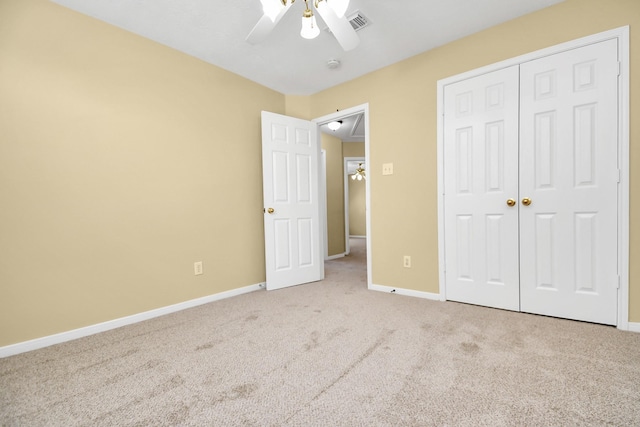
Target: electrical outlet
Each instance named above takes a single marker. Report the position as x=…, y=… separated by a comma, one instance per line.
x=407, y=261
x=387, y=169
x=197, y=268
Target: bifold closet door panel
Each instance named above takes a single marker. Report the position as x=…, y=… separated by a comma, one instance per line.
x=569, y=172
x=481, y=175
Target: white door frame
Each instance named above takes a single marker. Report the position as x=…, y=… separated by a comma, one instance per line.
x=363, y=108
x=622, y=35
x=347, y=209
x=323, y=202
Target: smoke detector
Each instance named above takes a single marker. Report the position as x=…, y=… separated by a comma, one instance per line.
x=332, y=64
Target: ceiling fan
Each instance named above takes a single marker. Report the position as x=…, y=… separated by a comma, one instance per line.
x=331, y=11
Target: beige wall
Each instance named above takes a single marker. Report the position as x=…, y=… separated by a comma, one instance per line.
x=353, y=149
x=357, y=204
x=335, y=194
x=115, y=153
x=298, y=106
x=404, y=205
x=116, y=158
x=357, y=192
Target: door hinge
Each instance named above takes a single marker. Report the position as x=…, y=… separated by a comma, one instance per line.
x=619, y=279
x=619, y=175
x=619, y=67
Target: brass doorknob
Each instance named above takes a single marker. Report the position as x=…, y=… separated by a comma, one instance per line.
x=526, y=201
x=511, y=202
x=270, y=210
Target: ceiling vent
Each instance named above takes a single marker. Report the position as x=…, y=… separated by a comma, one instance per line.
x=358, y=21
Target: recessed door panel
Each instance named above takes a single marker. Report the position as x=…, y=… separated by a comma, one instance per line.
x=494, y=157
x=464, y=234
x=279, y=134
x=586, y=251
x=464, y=160
x=545, y=252
x=585, y=144
x=305, y=242
x=304, y=178
x=280, y=176
x=282, y=229
x=303, y=137
x=495, y=236
x=544, y=85
x=545, y=147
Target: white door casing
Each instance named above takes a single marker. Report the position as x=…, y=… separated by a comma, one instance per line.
x=481, y=174
x=290, y=168
x=569, y=171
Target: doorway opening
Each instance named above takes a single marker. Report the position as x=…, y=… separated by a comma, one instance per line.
x=355, y=124
x=355, y=173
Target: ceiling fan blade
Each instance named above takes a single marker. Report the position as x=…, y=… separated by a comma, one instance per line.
x=265, y=25
x=340, y=27
x=262, y=29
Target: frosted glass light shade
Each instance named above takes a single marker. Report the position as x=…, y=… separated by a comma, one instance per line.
x=310, y=28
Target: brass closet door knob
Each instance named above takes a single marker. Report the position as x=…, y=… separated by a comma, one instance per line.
x=526, y=201
x=511, y=202
x=270, y=210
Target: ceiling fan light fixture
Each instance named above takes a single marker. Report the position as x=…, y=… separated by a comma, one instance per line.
x=310, y=28
x=359, y=174
x=334, y=125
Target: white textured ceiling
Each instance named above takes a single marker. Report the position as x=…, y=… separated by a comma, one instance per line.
x=215, y=31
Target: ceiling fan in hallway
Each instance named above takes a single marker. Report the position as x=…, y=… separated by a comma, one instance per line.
x=332, y=13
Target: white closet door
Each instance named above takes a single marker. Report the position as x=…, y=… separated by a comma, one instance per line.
x=568, y=169
x=481, y=174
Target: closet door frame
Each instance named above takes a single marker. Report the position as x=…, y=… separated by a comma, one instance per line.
x=622, y=36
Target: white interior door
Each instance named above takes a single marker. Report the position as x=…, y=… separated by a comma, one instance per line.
x=569, y=171
x=290, y=168
x=481, y=174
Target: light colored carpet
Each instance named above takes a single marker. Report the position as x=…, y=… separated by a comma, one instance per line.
x=331, y=354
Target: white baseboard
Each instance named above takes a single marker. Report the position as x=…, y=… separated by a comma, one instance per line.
x=353, y=236
x=329, y=258
x=407, y=292
x=37, y=343
x=634, y=327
